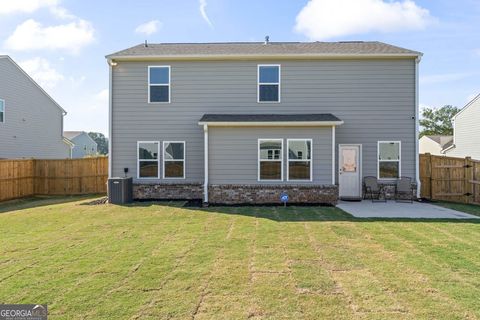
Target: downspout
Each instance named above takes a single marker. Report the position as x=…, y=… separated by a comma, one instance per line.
x=110, y=102
x=417, y=126
x=205, y=160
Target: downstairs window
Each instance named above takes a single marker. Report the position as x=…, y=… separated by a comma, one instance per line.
x=299, y=159
x=148, y=159
x=2, y=110
x=174, y=159
x=389, y=154
x=270, y=159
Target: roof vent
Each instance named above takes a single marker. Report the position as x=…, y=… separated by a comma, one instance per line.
x=146, y=44
x=267, y=40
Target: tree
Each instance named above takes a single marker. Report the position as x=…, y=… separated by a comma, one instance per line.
x=438, y=121
x=101, y=140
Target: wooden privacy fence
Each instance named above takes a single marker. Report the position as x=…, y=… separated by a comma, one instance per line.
x=450, y=179
x=22, y=178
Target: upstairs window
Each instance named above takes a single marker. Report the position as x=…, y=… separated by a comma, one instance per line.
x=299, y=159
x=270, y=159
x=148, y=159
x=268, y=83
x=2, y=110
x=173, y=159
x=389, y=155
x=159, y=84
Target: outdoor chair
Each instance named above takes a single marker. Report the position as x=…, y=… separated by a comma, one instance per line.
x=404, y=190
x=373, y=190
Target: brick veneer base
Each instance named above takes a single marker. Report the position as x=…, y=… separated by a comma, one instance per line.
x=178, y=191
x=270, y=194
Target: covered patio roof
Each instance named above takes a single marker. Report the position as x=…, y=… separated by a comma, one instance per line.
x=315, y=119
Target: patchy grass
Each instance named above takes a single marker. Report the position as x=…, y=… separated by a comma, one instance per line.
x=162, y=261
x=467, y=208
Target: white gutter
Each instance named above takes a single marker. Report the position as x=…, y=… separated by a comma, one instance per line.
x=417, y=125
x=270, y=123
x=110, y=103
x=444, y=151
x=205, y=155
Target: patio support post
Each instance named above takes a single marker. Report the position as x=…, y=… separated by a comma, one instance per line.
x=333, y=155
x=205, y=155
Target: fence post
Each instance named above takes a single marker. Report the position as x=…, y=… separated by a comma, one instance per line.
x=429, y=171
x=467, y=184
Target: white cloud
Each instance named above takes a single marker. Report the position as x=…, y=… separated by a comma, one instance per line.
x=61, y=13
x=203, y=12
x=24, y=6
x=324, y=19
x=32, y=35
x=41, y=71
x=99, y=101
x=87, y=112
x=442, y=78
x=102, y=96
x=149, y=28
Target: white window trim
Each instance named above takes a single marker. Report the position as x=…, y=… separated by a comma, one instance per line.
x=399, y=160
x=4, y=109
x=298, y=160
x=166, y=160
x=150, y=160
x=269, y=83
x=160, y=85
x=269, y=160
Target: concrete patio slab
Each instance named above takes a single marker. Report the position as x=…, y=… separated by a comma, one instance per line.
x=392, y=209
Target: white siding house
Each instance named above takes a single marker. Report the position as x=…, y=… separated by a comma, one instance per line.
x=83, y=145
x=434, y=144
x=466, y=132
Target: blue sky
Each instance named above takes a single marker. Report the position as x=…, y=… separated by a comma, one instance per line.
x=62, y=43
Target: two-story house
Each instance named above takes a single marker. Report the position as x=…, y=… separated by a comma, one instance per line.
x=83, y=145
x=31, y=122
x=245, y=122
x=466, y=132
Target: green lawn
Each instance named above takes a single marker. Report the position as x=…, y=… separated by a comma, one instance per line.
x=468, y=208
x=162, y=261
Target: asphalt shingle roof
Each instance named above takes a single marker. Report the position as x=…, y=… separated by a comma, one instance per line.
x=71, y=134
x=259, y=48
x=443, y=141
x=317, y=117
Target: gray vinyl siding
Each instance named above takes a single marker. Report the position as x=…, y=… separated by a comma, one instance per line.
x=233, y=153
x=33, y=124
x=375, y=98
x=467, y=133
x=81, y=142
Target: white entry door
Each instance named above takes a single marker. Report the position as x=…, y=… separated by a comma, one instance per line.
x=349, y=167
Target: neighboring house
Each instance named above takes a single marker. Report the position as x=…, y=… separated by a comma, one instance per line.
x=434, y=144
x=83, y=145
x=31, y=122
x=244, y=122
x=466, y=132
